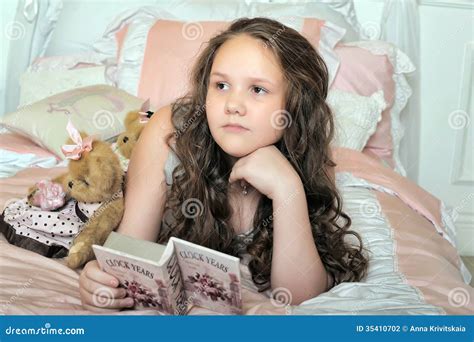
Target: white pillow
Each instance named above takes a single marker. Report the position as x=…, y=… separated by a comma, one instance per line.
x=35, y=86
x=332, y=11
x=98, y=110
x=80, y=23
x=355, y=117
x=93, y=16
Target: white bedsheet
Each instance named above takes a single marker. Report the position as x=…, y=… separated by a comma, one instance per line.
x=384, y=292
x=13, y=162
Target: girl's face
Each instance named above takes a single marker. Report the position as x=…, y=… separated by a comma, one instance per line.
x=246, y=88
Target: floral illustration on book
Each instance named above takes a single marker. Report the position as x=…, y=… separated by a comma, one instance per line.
x=146, y=297
x=209, y=287
x=204, y=287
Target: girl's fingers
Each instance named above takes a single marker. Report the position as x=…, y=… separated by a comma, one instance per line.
x=104, y=302
x=98, y=290
x=235, y=174
x=101, y=290
x=94, y=273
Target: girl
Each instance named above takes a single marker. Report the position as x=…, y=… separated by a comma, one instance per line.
x=248, y=163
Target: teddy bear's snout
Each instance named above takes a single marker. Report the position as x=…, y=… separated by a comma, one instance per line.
x=125, y=139
x=70, y=184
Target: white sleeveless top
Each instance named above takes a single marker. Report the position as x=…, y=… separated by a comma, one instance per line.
x=241, y=240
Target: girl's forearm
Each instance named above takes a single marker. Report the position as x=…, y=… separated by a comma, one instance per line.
x=296, y=264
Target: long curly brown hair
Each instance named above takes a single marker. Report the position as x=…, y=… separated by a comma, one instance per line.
x=200, y=181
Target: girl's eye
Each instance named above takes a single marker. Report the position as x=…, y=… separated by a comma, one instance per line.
x=220, y=85
x=259, y=90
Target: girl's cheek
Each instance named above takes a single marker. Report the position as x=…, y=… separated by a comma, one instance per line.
x=212, y=101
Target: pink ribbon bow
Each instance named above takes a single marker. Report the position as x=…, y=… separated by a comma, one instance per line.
x=145, y=112
x=74, y=151
x=49, y=195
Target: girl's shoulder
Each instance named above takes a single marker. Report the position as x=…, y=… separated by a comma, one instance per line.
x=171, y=119
x=161, y=127
x=162, y=121
x=164, y=126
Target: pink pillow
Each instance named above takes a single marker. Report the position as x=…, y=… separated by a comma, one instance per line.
x=170, y=52
x=364, y=73
x=172, y=48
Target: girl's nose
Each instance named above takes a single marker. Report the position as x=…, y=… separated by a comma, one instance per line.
x=234, y=107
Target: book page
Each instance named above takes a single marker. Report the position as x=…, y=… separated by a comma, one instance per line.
x=211, y=279
x=148, y=282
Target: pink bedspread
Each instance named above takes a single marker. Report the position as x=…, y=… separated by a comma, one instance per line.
x=33, y=284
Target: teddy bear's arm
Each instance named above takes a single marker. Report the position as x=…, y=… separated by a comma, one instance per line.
x=96, y=230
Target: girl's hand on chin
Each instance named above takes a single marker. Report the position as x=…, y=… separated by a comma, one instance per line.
x=268, y=171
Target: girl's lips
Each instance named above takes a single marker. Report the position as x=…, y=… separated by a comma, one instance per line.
x=235, y=128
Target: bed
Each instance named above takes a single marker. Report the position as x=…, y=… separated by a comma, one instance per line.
x=410, y=237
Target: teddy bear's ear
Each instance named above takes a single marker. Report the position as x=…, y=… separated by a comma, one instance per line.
x=130, y=119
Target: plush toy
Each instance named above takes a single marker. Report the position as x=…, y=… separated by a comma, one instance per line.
x=134, y=123
x=76, y=209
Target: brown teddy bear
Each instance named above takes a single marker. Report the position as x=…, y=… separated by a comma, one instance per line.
x=93, y=201
x=134, y=123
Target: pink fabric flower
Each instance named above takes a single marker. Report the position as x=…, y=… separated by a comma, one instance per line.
x=49, y=195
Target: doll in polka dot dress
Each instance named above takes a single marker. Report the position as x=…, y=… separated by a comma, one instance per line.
x=67, y=215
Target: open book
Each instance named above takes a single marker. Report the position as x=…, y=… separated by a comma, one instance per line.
x=172, y=278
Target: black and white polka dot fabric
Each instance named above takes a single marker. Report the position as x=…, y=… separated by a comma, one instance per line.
x=57, y=227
